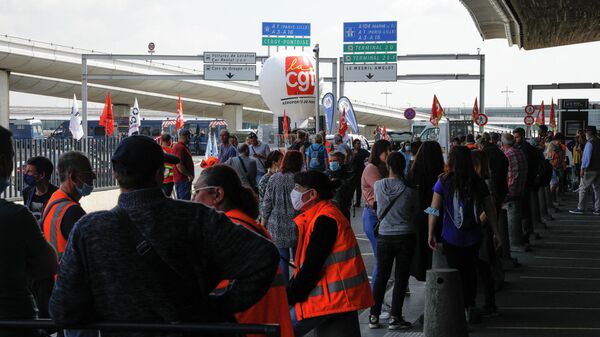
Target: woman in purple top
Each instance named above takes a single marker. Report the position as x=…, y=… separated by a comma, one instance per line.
x=463, y=198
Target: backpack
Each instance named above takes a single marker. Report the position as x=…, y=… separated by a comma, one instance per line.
x=466, y=212
x=316, y=160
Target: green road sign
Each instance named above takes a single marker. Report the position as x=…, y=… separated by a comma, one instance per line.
x=286, y=41
x=369, y=58
x=369, y=47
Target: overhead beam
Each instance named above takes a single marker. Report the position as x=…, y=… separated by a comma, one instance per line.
x=558, y=86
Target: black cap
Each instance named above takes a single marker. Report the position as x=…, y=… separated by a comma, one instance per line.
x=140, y=153
x=591, y=128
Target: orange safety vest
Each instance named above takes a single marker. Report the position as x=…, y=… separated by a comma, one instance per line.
x=168, y=176
x=344, y=284
x=57, y=206
x=273, y=308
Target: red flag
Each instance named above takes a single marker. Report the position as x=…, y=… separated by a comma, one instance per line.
x=475, y=111
x=343, y=124
x=436, y=111
x=540, y=119
x=179, y=120
x=107, y=120
x=384, y=133
x=552, y=118
x=286, y=127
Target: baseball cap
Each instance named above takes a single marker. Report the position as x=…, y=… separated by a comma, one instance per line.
x=140, y=153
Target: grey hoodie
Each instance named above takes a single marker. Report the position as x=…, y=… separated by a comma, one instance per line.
x=400, y=218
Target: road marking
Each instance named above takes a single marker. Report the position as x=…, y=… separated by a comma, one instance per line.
x=559, y=278
x=590, y=292
x=362, y=239
x=568, y=250
x=572, y=236
x=563, y=267
x=573, y=243
x=567, y=258
x=542, y=328
x=548, y=308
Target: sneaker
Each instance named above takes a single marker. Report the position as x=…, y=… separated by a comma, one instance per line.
x=398, y=323
x=384, y=315
x=576, y=211
x=596, y=212
x=373, y=322
x=489, y=311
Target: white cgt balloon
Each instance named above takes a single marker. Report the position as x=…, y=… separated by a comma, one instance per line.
x=287, y=82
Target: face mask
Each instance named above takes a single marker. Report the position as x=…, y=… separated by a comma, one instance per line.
x=296, y=197
x=85, y=189
x=407, y=148
x=29, y=180
x=334, y=165
x=4, y=183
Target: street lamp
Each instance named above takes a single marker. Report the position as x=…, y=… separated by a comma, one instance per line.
x=386, y=93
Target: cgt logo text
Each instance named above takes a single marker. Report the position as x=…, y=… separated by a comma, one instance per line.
x=299, y=76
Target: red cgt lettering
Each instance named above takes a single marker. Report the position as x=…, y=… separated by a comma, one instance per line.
x=299, y=76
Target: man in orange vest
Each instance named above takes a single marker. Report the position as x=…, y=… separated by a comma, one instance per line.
x=167, y=145
x=63, y=210
x=330, y=283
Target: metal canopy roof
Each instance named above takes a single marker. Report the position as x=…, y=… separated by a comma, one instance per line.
x=535, y=24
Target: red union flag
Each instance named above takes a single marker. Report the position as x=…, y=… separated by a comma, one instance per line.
x=436, y=111
x=552, y=117
x=475, y=111
x=179, y=120
x=299, y=76
x=541, y=117
x=106, y=119
x=343, y=124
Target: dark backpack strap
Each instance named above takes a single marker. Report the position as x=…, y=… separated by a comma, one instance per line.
x=251, y=181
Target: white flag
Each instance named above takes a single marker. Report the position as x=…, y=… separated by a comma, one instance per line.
x=134, y=119
x=209, y=147
x=215, y=145
x=75, y=123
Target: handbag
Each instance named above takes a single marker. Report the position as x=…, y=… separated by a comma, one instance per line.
x=385, y=212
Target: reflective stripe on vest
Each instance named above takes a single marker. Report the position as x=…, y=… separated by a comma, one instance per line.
x=54, y=222
x=341, y=256
x=340, y=285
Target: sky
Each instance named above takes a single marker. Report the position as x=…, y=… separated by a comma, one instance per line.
x=424, y=27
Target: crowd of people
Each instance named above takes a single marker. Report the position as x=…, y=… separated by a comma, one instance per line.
x=265, y=236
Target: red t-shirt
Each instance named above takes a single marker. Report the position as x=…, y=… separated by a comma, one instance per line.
x=185, y=156
x=168, y=176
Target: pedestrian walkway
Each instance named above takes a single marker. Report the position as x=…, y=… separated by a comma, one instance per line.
x=555, y=291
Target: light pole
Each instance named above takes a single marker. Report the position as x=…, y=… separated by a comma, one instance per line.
x=386, y=93
x=317, y=103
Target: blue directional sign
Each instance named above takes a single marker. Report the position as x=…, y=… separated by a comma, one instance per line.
x=285, y=29
x=370, y=31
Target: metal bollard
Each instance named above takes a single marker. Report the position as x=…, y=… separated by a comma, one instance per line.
x=542, y=203
x=444, y=306
x=515, y=225
x=503, y=229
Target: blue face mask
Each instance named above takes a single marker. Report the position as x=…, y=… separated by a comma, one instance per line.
x=4, y=183
x=85, y=189
x=334, y=165
x=407, y=148
x=29, y=180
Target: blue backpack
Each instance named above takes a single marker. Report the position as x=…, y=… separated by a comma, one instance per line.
x=316, y=156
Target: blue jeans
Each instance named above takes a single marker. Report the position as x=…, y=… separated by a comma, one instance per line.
x=285, y=267
x=184, y=190
x=369, y=219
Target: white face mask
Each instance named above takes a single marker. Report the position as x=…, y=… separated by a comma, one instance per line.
x=297, y=201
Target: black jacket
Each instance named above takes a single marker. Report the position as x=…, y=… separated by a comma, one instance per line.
x=498, y=170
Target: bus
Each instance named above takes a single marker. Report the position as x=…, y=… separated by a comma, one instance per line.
x=26, y=128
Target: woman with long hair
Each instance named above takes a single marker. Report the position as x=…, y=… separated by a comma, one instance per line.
x=272, y=164
x=487, y=261
x=396, y=209
x=220, y=187
x=459, y=197
x=277, y=211
x=427, y=165
x=375, y=170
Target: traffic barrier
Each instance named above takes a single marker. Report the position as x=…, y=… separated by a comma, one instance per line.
x=269, y=330
x=444, y=306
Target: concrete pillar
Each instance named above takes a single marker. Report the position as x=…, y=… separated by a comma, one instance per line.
x=444, y=307
x=4, y=103
x=232, y=114
x=438, y=260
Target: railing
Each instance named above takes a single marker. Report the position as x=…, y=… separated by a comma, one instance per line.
x=269, y=330
x=98, y=150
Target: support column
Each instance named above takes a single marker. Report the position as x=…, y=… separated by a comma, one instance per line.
x=232, y=114
x=4, y=102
